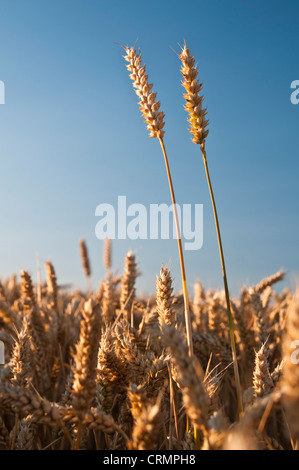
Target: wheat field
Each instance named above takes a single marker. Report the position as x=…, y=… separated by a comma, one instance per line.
x=106, y=369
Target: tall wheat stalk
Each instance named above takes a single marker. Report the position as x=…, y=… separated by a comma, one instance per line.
x=199, y=131
x=154, y=119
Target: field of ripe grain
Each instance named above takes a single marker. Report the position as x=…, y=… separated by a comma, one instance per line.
x=107, y=369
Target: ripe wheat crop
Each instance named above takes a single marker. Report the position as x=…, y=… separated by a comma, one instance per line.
x=82, y=371
x=106, y=368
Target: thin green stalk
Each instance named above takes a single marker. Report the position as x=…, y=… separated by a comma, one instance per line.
x=197, y=439
x=229, y=313
x=78, y=439
x=181, y=255
x=184, y=281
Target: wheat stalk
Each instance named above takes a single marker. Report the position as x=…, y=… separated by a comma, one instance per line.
x=20, y=361
x=154, y=118
x=28, y=295
x=199, y=131
x=190, y=379
x=85, y=359
x=262, y=383
x=269, y=281
x=109, y=370
x=128, y=284
x=146, y=428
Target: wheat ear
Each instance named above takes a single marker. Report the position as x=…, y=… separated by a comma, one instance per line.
x=85, y=262
x=269, y=281
x=20, y=361
x=51, y=285
x=164, y=297
x=154, y=119
x=107, y=254
x=27, y=290
x=127, y=294
x=199, y=131
x=85, y=359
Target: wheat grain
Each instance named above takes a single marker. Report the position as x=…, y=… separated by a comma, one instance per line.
x=164, y=298
x=149, y=105
x=21, y=362
x=85, y=359
x=128, y=284
x=109, y=371
x=107, y=254
x=155, y=123
x=146, y=428
x=198, y=125
x=51, y=285
x=107, y=301
x=262, y=382
x=85, y=258
x=197, y=119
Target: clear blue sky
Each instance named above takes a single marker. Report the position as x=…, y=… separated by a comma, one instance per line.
x=72, y=136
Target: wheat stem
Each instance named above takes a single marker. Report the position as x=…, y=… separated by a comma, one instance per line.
x=181, y=255
x=227, y=297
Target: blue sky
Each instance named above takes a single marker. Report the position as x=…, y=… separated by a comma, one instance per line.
x=72, y=136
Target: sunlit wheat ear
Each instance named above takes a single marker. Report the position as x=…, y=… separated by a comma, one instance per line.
x=40, y=346
x=149, y=105
x=51, y=285
x=107, y=301
x=127, y=294
x=20, y=361
x=26, y=439
x=269, y=281
x=164, y=297
x=193, y=98
x=28, y=295
x=107, y=254
x=198, y=125
x=85, y=362
x=85, y=258
x=154, y=119
x=85, y=262
x=262, y=383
